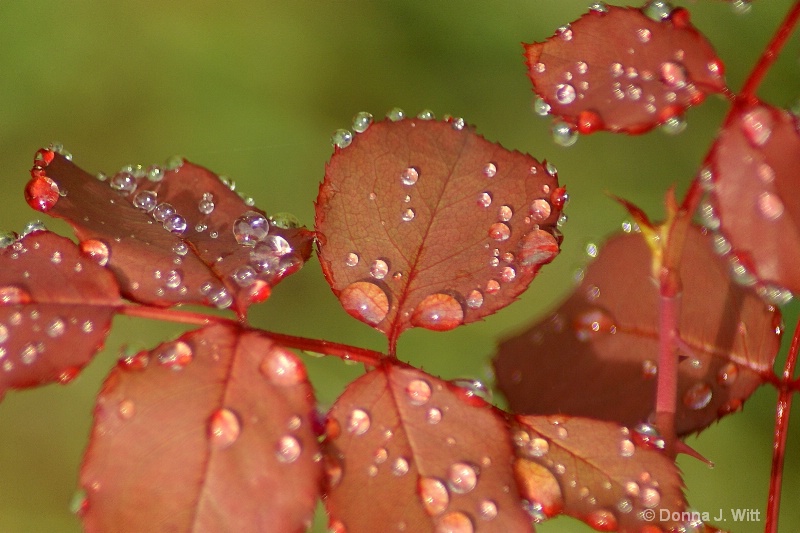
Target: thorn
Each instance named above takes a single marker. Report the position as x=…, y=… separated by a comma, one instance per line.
x=682, y=447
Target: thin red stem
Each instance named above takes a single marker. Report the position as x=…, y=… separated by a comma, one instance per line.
x=667, y=386
x=785, y=394
x=771, y=52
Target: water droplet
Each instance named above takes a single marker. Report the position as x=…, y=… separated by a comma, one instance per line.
x=658, y=10
x=163, y=211
x=408, y=215
x=418, y=391
x=283, y=367
x=564, y=134
x=626, y=448
x=536, y=447
x=381, y=454
x=650, y=497
x=487, y=509
x=454, y=522
x=490, y=170
x=206, y=204
x=409, y=176
x=741, y=7
x=602, y=520
x=145, y=200
x=757, y=126
x=474, y=299
x=644, y=35
x=540, y=210
x=770, y=206
x=333, y=470
x=649, y=369
x=250, y=228
x=42, y=193
x=438, y=312
x=365, y=301
x=426, y=114
x=673, y=75
x=540, y=107
x=11, y=295
x=484, y=199
x=341, y=139
x=537, y=247
x=288, y=449
x=55, y=329
x=175, y=355
x=400, y=466
x=358, y=422
x=591, y=322
x=674, y=125
x=124, y=182
x=492, y=286
x=727, y=374
x=244, y=276
x=565, y=93
x=599, y=8
x=697, y=396
x=362, y=121
x=223, y=428
x=461, y=478
x=564, y=32
x=499, y=231
x=378, y=269
x=433, y=416
x=396, y=114
x=96, y=250
x=180, y=248
x=505, y=213
x=434, y=495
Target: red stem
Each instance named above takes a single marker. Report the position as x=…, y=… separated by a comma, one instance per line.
x=771, y=52
x=343, y=351
x=785, y=394
x=667, y=385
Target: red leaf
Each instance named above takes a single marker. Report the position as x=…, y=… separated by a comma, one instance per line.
x=755, y=195
x=427, y=224
x=126, y=221
x=593, y=471
x=214, y=434
x=429, y=455
x=55, y=310
x=620, y=70
x=595, y=356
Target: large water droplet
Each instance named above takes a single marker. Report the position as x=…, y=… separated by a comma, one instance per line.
x=475, y=299
x=418, y=391
x=487, y=510
x=11, y=295
x=540, y=107
x=539, y=210
x=697, y=396
x=408, y=215
x=433, y=416
x=409, y=176
x=250, y=228
x=657, y=10
x=378, y=269
x=365, y=301
x=537, y=247
x=490, y=170
x=288, y=449
x=341, y=139
x=770, y=206
x=438, y=312
x=565, y=93
x=396, y=114
x=145, y=200
x=362, y=121
x=757, y=126
x=283, y=367
x=223, y=428
x=400, y=466
x=434, y=495
x=536, y=447
x=96, y=250
x=206, y=204
x=650, y=497
x=484, y=199
x=626, y=448
x=499, y=231
x=41, y=193
x=462, y=477
x=454, y=522
x=358, y=422
x=175, y=355
x=673, y=75
x=124, y=182
x=564, y=134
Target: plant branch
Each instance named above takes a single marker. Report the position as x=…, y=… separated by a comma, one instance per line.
x=771, y=52
x=343, y=351
x=785, y=394
x=172, y=315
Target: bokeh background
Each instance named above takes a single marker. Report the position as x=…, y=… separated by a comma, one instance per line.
x=253, y=90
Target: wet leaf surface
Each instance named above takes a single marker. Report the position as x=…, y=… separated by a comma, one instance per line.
x=596, y=355
x=430, y=455
x=211, y=432
x=594, y=471
x=171, y=235
x=624, y=71
x=755, y=196
x=56, y=307
x=425, y=224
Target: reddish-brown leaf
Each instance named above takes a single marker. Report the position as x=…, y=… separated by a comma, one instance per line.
x=594, y=471
x=170, y=234
x=618, y=69
x=211, y=432
x=596, y=355
x=430, y=455
x=425, y=223
x=55, y=310
x=755, y=195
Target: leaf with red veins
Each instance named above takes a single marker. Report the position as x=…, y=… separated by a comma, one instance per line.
x=619, y=70
x=171, y=236
x=425, y=223
x=56, y=307
x=594, y=471
x=211, y=432
x=755, y=196
x=430, y=455
x=596, y=355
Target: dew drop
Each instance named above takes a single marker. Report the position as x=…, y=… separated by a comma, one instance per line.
x=145, y=200
x=358, y=422
x=650, y=497
x=537, y=247
x=591, y=322
x=602, y=520
x=492, y=286
x=657, y=10
x=433, y=416
x=163, y=211
x=438, y=312
x=223, y=428
x=283, y=367
x=378, y=269
x=250, y=228
x=644, y=35
x=206, y=204
x=565, y=93
x=96, y=250
x=461, y=478
x=454, y=522
x=564, y=134
x=490, y=170
x=499, y=231
x=362, y=121
x=333, y=471
x=770, y=206
x=55, y=329
x=434, y=495
x=418, y=391
x=124, y=182
x=474, y=299
x=396, y=114
x=409, y=176
x=400, y=466
x=426, y=114
x=540, y=210
x=365, y=301
x=288, y=449
x=626, y=448
x=649, y=369
x=175, y=355
x=408, y=215
x=540, y=107
x=674, y=125
x=11, y=295
x=341, y=139
x=484, y=199
x=487, y=509
x=673, y=75
x=536, y=447
x=697, y=396
x=599, y=8
x=180, y=248
x=244, y=276
x=757, y=126
x=351, y=259
x=565, y=33
x=41, y=193
x=505, y=213
x=727, y=374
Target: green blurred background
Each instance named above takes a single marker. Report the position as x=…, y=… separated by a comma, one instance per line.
x=253, y=90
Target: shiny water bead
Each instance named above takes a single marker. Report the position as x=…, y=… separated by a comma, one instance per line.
x=283, y=368
x=351, y=259
x=541, y=107
x=32, y=227
x=224, y=428
x=365, y=301
x=173, y=279
x=550, y=168
x=599, y=8
x=288, y=449
x=408, y=215
x=409, y=176
x=674, y=125
x=673, y=75
x=244, y=276
x=462, y=477
x=396, y=114
x=492, y=286
x=124, y=182
x=697, y=396
x=220, y=298
x=537, y=247
x=418, y=391
x=378, y=269
x=250, y=228
x=438, y=312
x=175, y=355
x=433, y=416
x=564, y=134
x=490, y=170
x=434, y=495
x=458, y=123
x=96, y=250
x=602, y=520
x=206, y=204
x=426, y=114
x=285, y=220
x=508, y=274
x=42, y=193
x=400, y=466
x=539, y=210
x=163, y=211
x=358, y=422
x=505, y=213
x=362, y=121
x=155, y=173
x=475, y=299
x=145, y=200
x=341, y=138
x=229, y=183
x=657, y=10
x=741, y=7
x=484, y=199
x=175, y=224
x=180, y=248
x=565, y=93
x=769, y=206
x=499, y=231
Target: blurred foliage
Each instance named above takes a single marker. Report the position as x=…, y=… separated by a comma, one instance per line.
x=253, y=90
